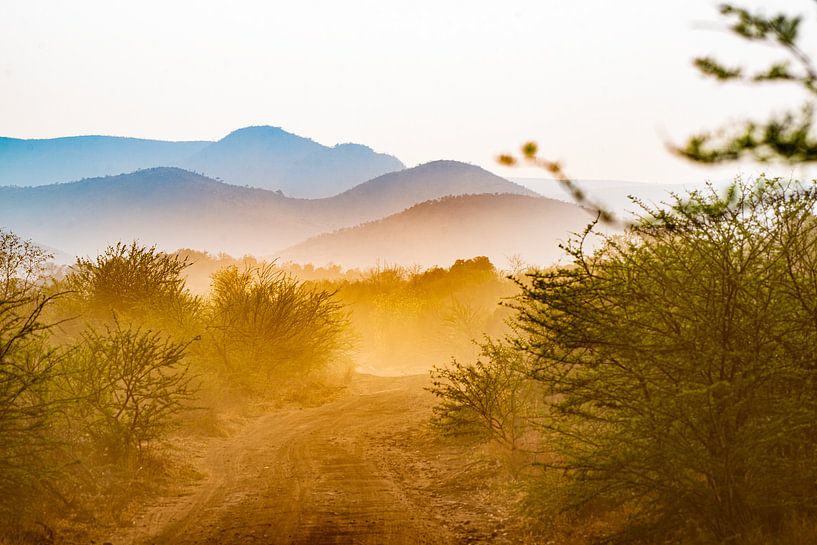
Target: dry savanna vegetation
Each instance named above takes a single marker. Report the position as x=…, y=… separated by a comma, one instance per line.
x=659, y=388
x=112, y=367
x=101, y=361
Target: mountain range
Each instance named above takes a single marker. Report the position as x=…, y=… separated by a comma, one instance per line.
x=265, y=192
x=175, y=208
x=262, y=156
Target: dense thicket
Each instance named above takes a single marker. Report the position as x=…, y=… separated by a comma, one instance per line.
x=679, y=368
x=670, y=375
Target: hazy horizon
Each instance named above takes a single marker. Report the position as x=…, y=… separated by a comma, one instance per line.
x=418, y=81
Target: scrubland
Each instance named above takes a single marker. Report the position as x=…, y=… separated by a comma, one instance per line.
x=657, y=389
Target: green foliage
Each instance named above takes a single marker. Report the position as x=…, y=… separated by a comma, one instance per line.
x=266, y=326
x=711, y=67
x=679, y=370
x=788, y=137
x=492, y=397
x=128, y=383
x=781, y=28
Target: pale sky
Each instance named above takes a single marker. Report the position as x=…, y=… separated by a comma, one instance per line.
x=599, y=84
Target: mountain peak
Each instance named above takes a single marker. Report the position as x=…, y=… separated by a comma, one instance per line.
x=437, y=179
x=262, y=132
x=447, y=164
x=272, y=158
x=351, y=146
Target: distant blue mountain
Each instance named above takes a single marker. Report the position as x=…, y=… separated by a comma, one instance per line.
x=53, y=160
x=272, y=158
x=265, y=157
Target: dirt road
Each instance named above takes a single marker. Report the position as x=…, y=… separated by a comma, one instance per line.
x=337, y=473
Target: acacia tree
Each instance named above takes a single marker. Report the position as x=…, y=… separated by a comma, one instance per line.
x=679, y=368
x=22, y=264
x=678, y=359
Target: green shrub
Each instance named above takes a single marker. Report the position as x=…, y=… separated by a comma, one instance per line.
x=492, y=397
x=679, y=368
x=128, y=383
x=135, y=283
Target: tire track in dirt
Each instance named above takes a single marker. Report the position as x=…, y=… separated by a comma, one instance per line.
x=304, y=476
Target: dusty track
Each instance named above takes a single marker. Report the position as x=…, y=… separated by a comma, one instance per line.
x=308, y=476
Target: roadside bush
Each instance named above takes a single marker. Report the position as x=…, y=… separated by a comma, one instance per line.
x=266, y=327
x=492, y=397
x=134, y=283
x=128, y=383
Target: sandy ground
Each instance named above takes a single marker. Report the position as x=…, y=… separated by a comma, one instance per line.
x=362, y=469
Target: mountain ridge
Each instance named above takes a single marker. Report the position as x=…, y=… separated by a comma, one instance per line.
x=438, y=231
x=259, y=155
x=175, y=208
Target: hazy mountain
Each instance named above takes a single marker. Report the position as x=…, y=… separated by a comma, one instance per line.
x=440, y=231
x=167, y=206
x=397, y=191
x=272, y=158
x=266, y=157
x=48, y=161
x=174, y=208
